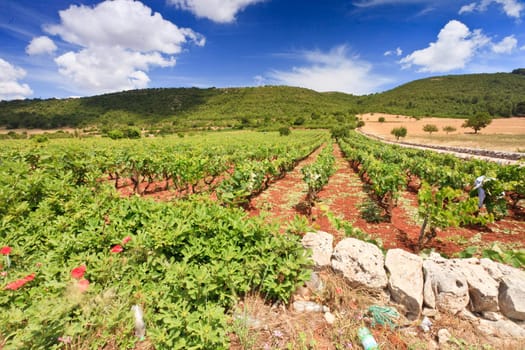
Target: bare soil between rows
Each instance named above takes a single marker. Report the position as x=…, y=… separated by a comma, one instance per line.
x=345, y=193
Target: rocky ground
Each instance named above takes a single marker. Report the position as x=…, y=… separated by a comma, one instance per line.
x=406, y=301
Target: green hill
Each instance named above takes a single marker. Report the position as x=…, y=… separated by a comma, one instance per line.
x=184, y=107
x=499, y=94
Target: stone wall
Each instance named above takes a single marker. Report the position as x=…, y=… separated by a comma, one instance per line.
x=490, y=293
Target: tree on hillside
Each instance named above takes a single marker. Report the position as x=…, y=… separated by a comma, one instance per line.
x=520, y=109
x=430, y=128
x=299, y=121
x=448, y=129
x=399, y=132
x=477, y=122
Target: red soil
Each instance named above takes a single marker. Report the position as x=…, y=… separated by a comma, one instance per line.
x=343, y=196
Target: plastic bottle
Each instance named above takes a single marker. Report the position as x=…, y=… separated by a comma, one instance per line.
x=367, y=339
x=309, y=306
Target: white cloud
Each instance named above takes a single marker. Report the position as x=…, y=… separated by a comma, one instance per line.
x=41, y=45
x=468, y=8
x=397, y=52
x=259, y=80
x=10, y=88
x=506, y=45
x=455, y=47
x=512, y=8
x=110, y=68
x=370, y=3
x=222, y=11
x=119, y=42
x=331, y=71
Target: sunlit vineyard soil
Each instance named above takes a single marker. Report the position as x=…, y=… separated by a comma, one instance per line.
x=345, y=193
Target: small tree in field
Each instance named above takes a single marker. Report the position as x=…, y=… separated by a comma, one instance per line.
x=430, y=128
x=399, y=132
x=448, y=129
x=477, y=122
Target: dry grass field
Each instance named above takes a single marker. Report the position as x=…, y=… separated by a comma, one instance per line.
x=505, y=134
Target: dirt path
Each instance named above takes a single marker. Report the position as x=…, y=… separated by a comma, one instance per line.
x=343, y=197
x=281, y=200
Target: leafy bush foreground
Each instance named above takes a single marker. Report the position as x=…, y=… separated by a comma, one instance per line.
x=77, y=258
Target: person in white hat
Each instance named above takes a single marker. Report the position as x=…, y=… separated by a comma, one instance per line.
x=478, y=185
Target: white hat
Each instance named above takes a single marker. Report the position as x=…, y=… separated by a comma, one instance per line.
x=479, y=182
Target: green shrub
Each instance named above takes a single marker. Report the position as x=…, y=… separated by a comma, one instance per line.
x=284, y=131
x=40, y=138
x=132, y=133
x=115, y=134
x=340, y=132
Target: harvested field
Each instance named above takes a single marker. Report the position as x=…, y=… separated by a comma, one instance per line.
x=505, y=134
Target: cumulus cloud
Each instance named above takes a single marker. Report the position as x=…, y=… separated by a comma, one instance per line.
x=10, y=87
x=512, y=8
x=41, y=45
x=456, y=45
x=222, y=11
x=397, y=52
x=506, y=45
x=331, y=71
x=109, y=68
x=119, y=41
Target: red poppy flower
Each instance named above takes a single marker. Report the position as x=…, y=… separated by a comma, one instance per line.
x=5, y=250
x=19, y=283
x=126, y=240
x=78, y=272
x=83, y=285
x=117, y=249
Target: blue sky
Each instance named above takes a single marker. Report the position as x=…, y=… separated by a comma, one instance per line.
x=63, y=48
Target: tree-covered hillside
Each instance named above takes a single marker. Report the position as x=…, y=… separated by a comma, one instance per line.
x=184, y=107
x=498, y=95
